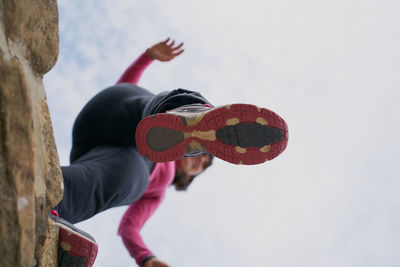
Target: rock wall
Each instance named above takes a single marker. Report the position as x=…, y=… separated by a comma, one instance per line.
x=30, y=177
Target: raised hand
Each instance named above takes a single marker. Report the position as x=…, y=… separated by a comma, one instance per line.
x=165, y=51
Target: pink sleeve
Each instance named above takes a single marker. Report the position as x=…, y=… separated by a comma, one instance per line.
x=131, y=223
x=133, y=73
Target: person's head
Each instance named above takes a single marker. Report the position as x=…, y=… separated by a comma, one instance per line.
x=188, y=168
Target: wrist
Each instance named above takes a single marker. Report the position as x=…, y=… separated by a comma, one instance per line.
x=149, y=53
x=146, y=259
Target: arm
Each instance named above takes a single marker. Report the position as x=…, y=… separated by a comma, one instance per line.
x=131, y=224
x=162, y=51
x=138, y=213
x=133, y=73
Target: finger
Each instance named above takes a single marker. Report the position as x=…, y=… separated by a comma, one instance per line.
x=177, y=47
x=170, y=45
x=166, y=41
x=178, y=53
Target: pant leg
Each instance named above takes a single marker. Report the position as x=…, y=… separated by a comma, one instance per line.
x=103, y=178
x=169, y=100
x=111, y=117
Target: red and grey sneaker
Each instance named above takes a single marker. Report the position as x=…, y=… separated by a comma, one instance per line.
x=76, y=248
x=237, y=133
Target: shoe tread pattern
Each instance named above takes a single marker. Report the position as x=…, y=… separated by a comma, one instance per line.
x=79, y=247
x=214, y=119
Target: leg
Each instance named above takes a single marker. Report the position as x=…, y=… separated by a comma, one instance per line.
x=103, y=178
x=111, y=117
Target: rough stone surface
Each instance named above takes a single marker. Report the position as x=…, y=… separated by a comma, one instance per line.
x=30, y=176
x=17, y=184
x=46, y=252
x=34, y=24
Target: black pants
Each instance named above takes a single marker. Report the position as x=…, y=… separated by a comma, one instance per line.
x=106, y=169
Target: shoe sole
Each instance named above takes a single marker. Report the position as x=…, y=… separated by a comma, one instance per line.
x=75, y=249
x=237, y=133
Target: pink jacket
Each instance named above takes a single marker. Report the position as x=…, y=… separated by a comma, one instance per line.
x=160, y=178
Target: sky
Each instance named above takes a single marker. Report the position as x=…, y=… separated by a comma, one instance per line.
x=329, y=68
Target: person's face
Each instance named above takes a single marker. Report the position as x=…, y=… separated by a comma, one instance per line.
x=188, y=168
x=193, y=166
